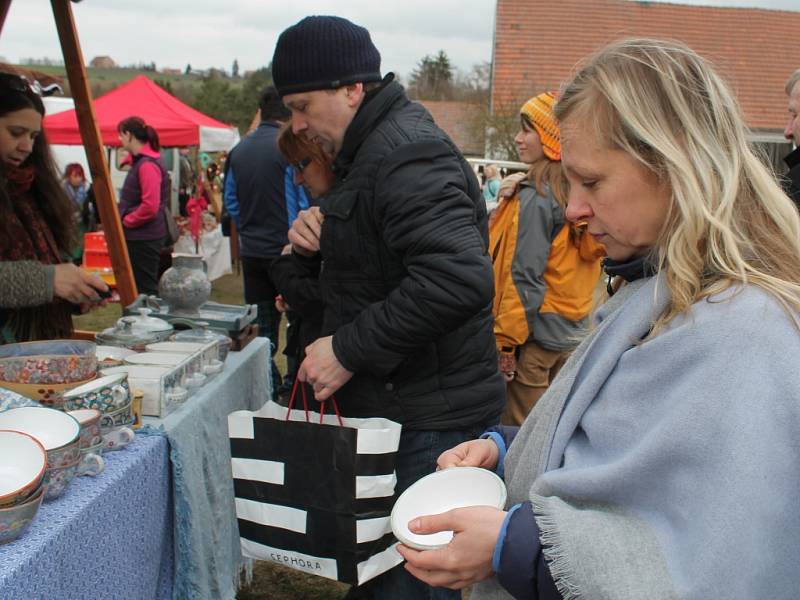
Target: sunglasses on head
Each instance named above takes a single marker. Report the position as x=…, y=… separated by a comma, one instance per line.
x=16, y=83
x=300, y=166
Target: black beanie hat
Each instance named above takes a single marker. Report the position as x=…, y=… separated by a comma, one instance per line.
x=323, y=53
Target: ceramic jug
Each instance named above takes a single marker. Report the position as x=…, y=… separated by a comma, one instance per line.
x=185, y=285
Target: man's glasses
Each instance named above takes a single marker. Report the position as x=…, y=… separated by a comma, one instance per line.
x=300, y=166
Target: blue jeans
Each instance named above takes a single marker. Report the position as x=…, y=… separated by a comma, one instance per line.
x=415, y=459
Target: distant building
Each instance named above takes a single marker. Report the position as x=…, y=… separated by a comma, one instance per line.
x=103, y=62
x=461, y=122
x=248, y=73
x=169, y=71
x=751, y=47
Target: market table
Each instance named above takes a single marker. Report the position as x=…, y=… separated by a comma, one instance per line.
x=159, y=522
x=106, y=537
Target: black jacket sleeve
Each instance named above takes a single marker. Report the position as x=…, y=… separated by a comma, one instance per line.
x=297, y=279
x=427, y=216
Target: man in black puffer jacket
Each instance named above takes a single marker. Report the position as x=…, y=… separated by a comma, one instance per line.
x=406, y=281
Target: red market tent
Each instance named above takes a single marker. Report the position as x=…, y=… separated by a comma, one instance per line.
x=176, y=123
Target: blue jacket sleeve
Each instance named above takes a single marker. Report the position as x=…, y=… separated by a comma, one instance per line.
x=230, y=198
x=502, y=435
x=296, y=199
x=518, y=560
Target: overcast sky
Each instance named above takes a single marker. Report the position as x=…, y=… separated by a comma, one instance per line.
x=172, y=33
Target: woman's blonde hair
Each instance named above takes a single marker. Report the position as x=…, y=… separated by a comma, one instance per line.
x=729, y=221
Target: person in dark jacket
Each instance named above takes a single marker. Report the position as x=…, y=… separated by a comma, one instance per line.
x=143, y=201
x=406, y=280
x=296, y=279
x=262, y=199
x=792, y=132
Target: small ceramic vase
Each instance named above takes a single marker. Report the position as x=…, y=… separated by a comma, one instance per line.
x=185, y=285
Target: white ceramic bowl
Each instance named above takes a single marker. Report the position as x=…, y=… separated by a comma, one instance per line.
x=161, y=359
x=174, y=347
x=439, y=492
x=51, y=427
x=22, y=464
x=108, y=356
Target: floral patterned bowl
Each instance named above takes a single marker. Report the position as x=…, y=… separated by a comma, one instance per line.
x=117, y=418
x=23, y=461
x=57, y=479
x=14, y=520
x=48, y=394
x=48, y=362
x=106, y=394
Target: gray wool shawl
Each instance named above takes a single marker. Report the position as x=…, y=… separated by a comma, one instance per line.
x=669, y=468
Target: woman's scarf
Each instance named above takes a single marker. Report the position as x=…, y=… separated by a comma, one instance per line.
x=668, y=468
x=29, y=238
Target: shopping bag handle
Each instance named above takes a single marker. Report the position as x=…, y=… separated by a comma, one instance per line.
x=293, y=395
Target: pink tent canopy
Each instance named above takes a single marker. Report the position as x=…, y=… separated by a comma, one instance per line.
x=176, y=123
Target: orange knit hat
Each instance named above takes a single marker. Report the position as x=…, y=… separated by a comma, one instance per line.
x=539, y=110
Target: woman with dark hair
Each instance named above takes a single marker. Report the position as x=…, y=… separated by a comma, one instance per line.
x=142, y=202
x=37, y=232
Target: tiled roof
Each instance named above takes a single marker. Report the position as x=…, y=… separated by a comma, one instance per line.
x=538, y=43
x=459, y=121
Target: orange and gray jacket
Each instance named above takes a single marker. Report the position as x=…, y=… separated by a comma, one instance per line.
x=545, y=273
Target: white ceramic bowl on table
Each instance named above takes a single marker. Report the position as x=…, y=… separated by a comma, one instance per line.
x=59, y=433
x=159, y=359
x=175, y=347
x=23, y=461
x=439, y=492
x=52, y=428
x=112, y=356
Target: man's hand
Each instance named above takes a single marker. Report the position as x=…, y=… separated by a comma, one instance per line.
x=76, y=285
x=305, y=231
x=322, y=369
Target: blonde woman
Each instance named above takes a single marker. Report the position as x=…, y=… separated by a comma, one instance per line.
x=545, y=268
x=663, y=462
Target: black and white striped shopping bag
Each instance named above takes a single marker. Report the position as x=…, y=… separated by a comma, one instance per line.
x=315, y=493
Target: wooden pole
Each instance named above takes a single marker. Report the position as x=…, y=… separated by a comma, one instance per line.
x=95, y=154
x=4, y=6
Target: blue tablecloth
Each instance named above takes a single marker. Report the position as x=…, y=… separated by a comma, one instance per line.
x=118, y=535
x=208, y=555
x=108, y=536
